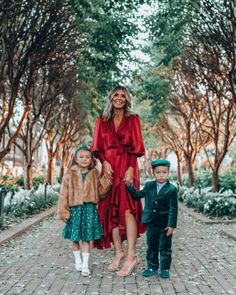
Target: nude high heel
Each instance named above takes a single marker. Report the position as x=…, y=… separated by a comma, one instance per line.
x=114, y=266
x=131, y=267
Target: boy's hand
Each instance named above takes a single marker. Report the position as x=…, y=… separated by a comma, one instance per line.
x=169, y=231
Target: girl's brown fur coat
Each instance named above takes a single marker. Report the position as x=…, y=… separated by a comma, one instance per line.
x=74, y=191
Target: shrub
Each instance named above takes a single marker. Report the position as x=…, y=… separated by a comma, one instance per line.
x=9, y=183
x=28, y=202
x=202, y=177
x=15, y=183
x=38, y=180
x=1, y=221
x=227, y=179
x=20, y=181
x=219, y=204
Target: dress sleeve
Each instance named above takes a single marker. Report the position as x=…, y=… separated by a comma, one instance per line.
x=137, y=146
x=97, y=145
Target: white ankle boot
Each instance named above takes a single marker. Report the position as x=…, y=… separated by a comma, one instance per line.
x=78, y=261
x=85, y=268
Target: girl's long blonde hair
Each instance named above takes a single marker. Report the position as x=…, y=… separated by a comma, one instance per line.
x=108, y=110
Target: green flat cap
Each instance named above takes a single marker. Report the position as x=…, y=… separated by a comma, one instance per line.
x=160, y=162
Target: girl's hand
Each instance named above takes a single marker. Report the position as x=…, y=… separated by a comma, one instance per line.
x=129, y=176
x=169, y=230
x=65, y=220
x=107, y=169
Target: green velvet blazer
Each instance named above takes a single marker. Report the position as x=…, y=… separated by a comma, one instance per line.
x=160, y=208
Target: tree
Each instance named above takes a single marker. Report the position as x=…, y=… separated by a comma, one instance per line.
x=170, y=135
x=108, y=29
x=212, y=106
x=179, y=120
x=66, y=129
x=203, y=33
x=214, y=27
x=32, y=34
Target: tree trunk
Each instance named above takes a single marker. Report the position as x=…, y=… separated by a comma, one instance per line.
x=179, y=177
x=190, y=171
x=7, y=147
x=63, y=162
x=62, y=170
x=28, y=177
x=51, y=166
x=215, y=180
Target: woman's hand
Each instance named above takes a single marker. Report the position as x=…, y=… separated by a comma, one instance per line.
x=107, y=169
x=129, y=176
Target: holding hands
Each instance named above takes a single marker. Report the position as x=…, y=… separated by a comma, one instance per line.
x=129, y=176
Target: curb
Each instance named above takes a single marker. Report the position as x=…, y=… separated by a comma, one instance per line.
x=202, y=218
x=19, y=229
x=231, y=233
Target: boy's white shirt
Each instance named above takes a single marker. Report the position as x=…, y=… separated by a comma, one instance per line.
x=160, y=185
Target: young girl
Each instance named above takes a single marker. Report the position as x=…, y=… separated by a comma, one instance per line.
x=81, y=189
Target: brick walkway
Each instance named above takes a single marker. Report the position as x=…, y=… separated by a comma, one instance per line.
x=40, y=262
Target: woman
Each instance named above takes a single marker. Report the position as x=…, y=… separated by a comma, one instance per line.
x=117, y=143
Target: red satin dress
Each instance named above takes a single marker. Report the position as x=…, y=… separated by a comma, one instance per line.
x=121, y=149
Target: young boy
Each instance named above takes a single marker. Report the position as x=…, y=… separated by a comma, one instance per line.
x=160, y=216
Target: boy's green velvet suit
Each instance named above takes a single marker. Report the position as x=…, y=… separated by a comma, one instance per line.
x=160, y=211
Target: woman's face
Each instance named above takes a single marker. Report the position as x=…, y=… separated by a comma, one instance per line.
x=119, y=99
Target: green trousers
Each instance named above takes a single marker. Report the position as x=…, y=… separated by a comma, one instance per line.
x=158, y=245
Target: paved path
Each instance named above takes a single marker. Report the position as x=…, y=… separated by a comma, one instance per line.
x=40, y=262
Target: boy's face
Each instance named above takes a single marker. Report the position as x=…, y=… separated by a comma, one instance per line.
x=161, y=173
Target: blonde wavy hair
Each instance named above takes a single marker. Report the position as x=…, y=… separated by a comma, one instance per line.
x=109, y=109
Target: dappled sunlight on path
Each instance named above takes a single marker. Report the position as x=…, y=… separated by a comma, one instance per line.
x=40, y=262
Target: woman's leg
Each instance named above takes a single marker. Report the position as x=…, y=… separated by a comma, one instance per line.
x=131, y=233
x=118, y=250
x=131, y=260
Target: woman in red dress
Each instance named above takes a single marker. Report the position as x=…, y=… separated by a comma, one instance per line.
x=117, y=143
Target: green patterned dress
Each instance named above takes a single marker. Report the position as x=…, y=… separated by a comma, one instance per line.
x=83, y=224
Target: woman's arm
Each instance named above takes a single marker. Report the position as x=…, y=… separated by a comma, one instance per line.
x=137, y=147
x=136, y=150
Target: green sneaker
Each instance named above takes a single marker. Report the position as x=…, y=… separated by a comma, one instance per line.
x=164, y=274
x=149, y=272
